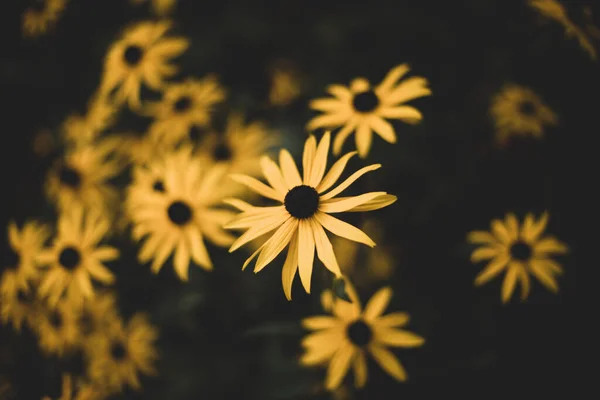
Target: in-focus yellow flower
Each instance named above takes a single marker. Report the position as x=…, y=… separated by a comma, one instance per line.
x=172, y=202
x=41, y=16
x=70, y=392
x=81, y=177
x=117, y=358
x=84, y=129
x=285, y=85
x=161, y=8
x=56, y=328
x=364, y=109
x=304, y=211
x=344, y=339
x=519, y=111
x=519, y=251
x=141, y=55
x=183, y=106
x=76, y=256
x=554, y=10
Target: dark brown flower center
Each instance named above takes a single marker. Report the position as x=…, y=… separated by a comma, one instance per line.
x=196, y=132
x=133, y=55
x=527, y=108
x=222, y=152
x=118, y=351
x=86, y=324
x=365, y=102
x=182, y=104
x=359, y=333
x=69, y=258
x=69, y=177
x=520, y=251
x=55, y=319
x=158, y=186
x=179, y=213
x=302, y=202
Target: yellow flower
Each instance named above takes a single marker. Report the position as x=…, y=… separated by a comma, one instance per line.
x=76, y=256
x=285, y=85
x=81, y=177
x=183, y=106
x=364, y=108
x=56, y=328
x=117, y=357
x=345, y=338
x=518, y=111
x=304, y=211
x=69, y=392
x=172, y=203
x=83, y=129
x=41, y=16
x=141, y=55
x=159, y=7
x=519, y=251
x=554, y=10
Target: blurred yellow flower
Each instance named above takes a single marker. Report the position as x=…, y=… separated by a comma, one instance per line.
x=184, y=105
x=20, y=307
x=117, y=358
x=83, y=129
x=364, y=108
x=346, y=337
x=172, y=202
x=75, y=256
x=519, y=251
x=304, y=210
x=519, y=111
x=97, y=316
x=81, y=177
x=56, y=328
x=141, y=55
x=161, y=8
x=285, y=85
x=41, y=16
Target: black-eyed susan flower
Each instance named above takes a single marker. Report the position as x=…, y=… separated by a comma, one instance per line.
x=364, y=109
x=161, y=8
x=141, y=55
x=173, y=205
x=305, y=209
x=117, y=357
x=56, y=328
x=82, y=175
x=519, y=251
x=519, y=111
x=76, y=256
x=345, y=338
x=183, y=106
x=41, y=16
x=84, y=129
x=285, y=84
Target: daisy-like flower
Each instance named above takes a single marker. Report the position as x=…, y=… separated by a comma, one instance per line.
x=519, y=251
x=554, y=10
x=41, y=16
x=81, y=177
x=83, y=129
x=76, y=256
x=345, y=338
x=117, y=357
x=141, y=55
x=305, y=209
x=519, y=111
x=183, y=106
x=364, y=109
x=173, y=204
x=56, y=328
x=161, y=8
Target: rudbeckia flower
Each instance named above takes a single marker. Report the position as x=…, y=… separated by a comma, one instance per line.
x=364, y=109
x=41, y=16
x=141, y=55
x=305, y=208
x=56, y=328
x=519, y=251
x=351, y=333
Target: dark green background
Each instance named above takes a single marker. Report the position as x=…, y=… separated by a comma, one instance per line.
x=232, y=334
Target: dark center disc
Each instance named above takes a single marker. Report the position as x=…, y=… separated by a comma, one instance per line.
x=69, y=258
x=520, y=251
x=183, y=104
x=55, y=319
x=365, y=102
x=158, y=186
x=222, y=152
x=133, y=55
x=179, y=213
x=118, y=351
x=527, y=108
x=69, y=177
x=302, y=202
x=359, y=333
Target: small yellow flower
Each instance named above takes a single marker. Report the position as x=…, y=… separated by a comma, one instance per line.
x=75, y=257
x=173, y=202
x=56, y=328
x=161, y=8
x=305, y=209
x=117, y=357
x=364, y=109
x=141, y=55
x=345, y=338
x=519, y=251
x=519, y=111
x=42, y=16
x=183, y=106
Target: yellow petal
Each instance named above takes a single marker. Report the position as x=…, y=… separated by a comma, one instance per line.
x=404, y=113
x=289, y=169
x=392, y=320
x=523, y=278
x=549, y=245
x=512, y=226
x=380, y=201
x=500, y=231
x=538, y=227
x=258, y=186
x=349, y=181
x=319, y=322
x=491, y=270
x=388, y=362
x=273, y=175
x=344, y=204
x=267, y=225
x=484, y=253
x=398, y=338
x=377, y=304
x=343, y=134
x=290, y=266
x=181, y=261
x=508, y=286
x=325, y=248
x=363, y=137
x=481, y=237
x=383, y=129
x=360, y=369
x=334, y=173
x=343, y=229
x=320, y=161
x=276, y=243
x=339, y=365
x=308, y=157
x=543, y=275
x=392, y=77
x=306, y=253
